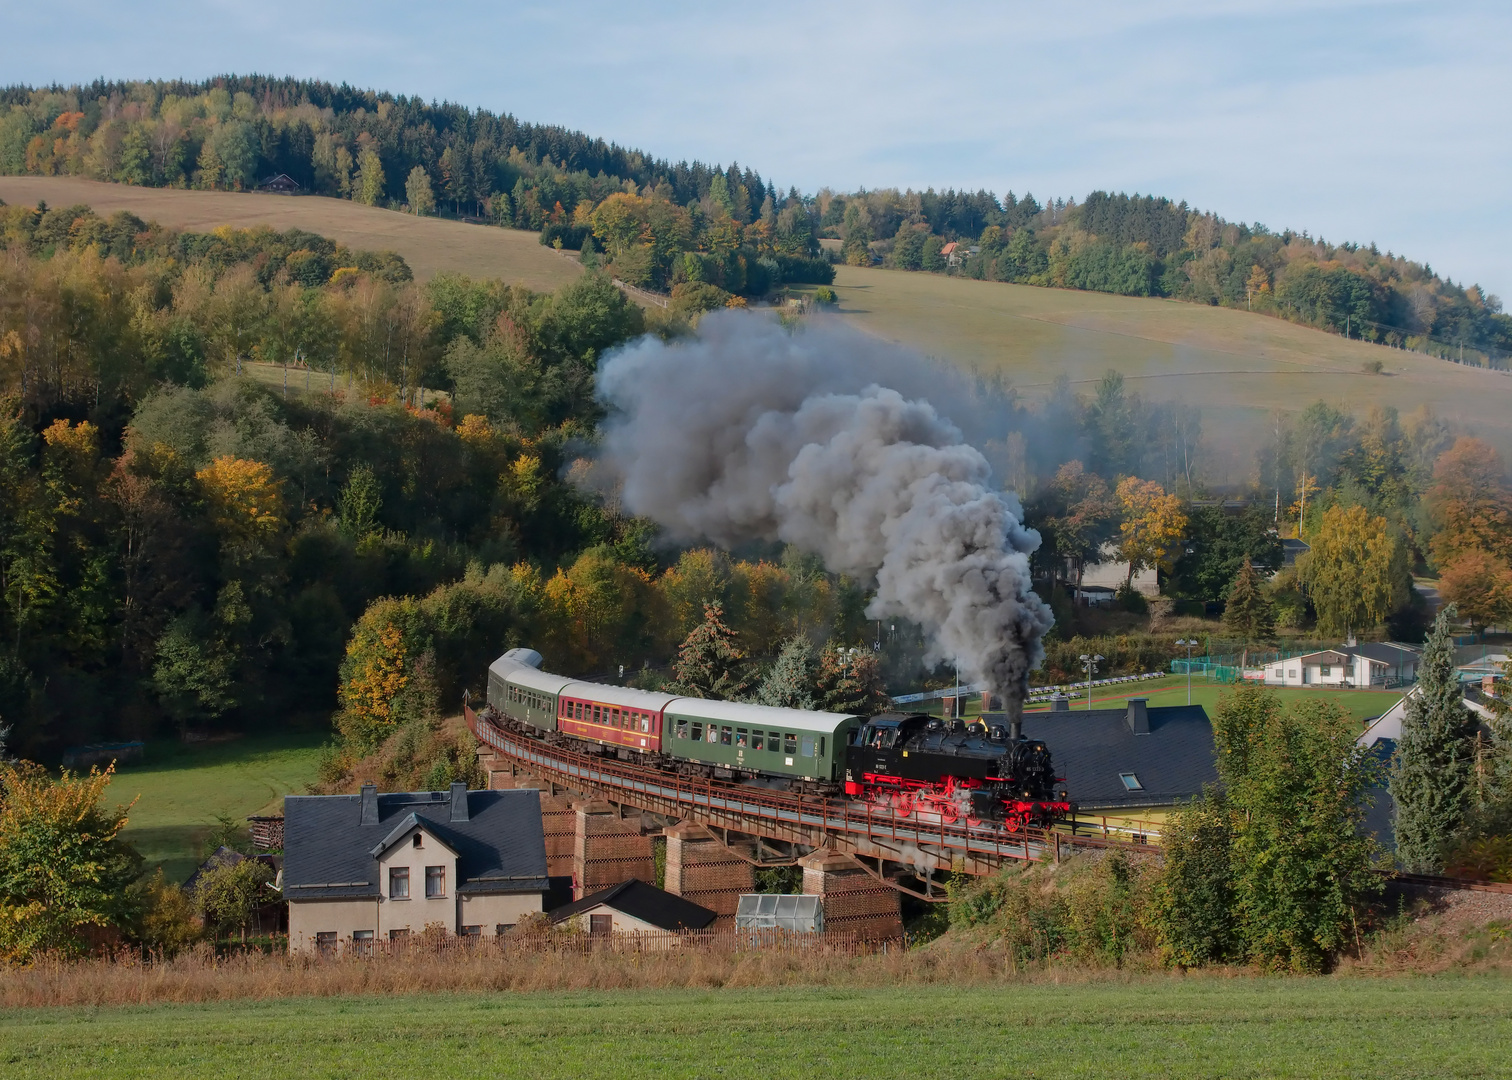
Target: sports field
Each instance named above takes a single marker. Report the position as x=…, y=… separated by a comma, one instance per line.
x=1237, y=366
x=429, y=245
x=181, y=788
x=1172, y=690
x=1167, y=1027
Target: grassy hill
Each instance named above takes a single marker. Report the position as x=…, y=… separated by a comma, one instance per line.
x=429, y=245
x=1238, y=367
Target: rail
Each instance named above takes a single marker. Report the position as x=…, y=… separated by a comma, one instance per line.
x=857, y=827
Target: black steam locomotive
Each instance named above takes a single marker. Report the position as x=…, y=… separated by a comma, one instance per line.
x=984, y=771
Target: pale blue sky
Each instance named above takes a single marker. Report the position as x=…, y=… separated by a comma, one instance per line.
x=1379, y=121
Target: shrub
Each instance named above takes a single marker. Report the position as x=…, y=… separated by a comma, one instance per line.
x=825, y=295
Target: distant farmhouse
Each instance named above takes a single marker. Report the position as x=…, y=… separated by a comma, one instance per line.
x=360, y=868
x=282, y=184
x=1372, y=664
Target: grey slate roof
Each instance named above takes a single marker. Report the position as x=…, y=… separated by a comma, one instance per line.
x=646, y=903
x=1091, y=748
x=330, y=854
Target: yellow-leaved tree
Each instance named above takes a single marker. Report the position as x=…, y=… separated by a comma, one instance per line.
x=1153, y=524
x=246, y=500
x=375, y=672
x=1356, y=572
x=64, y=869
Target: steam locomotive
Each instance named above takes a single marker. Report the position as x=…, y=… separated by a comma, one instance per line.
x=913, y=764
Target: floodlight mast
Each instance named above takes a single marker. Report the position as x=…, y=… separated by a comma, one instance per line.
x=1089, y=665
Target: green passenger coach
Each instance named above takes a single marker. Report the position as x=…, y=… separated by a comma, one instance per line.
x=737, y=739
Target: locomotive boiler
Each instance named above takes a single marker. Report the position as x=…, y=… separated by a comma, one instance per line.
x=984, y=771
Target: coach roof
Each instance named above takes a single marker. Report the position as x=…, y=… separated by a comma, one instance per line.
x=762, y=716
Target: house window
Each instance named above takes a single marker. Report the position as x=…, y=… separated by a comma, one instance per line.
x=362, y=942
x=1130, y=781
x=500, y=929
x=1325, y=671
x=435, y=881
x=789, y=743
x=325, y=942
x=417, y=840
x=399, y=881
x=808, y=746
x=471, y=931
x=600, y=925
x=399, y=935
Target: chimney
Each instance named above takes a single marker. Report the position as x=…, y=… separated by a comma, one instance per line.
x=1139, y=716
x=458, y=801
x=369, y=804
x=1060, y=703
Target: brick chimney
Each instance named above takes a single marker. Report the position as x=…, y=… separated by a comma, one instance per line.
x=1139, y=716
x=458, y=801
x=369, y=804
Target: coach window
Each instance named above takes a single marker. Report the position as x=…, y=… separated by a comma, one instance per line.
x=758, y=742
x=713, y=736
x=821, y=746
x=646, y=723
x=682, y=729
x=789, y=743
x=808, y=746
x=740, y=737
x=697, y=730
x=597, y=715
x=724, y=736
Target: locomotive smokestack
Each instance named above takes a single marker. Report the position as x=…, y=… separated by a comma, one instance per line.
x=1013, y=706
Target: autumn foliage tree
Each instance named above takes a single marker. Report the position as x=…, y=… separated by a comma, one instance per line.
x=1356, y=571
x=1153, y=523
x=64, y=869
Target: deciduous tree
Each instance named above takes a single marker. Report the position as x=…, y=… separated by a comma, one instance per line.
x=1153, y=523
x=1355, y=572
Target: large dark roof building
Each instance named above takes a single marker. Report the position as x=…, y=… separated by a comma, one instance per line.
x=360, y=866
x=1135, y=757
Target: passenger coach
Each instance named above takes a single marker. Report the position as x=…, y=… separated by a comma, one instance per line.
x=724, y=739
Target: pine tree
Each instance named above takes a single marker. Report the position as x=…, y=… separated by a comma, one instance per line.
x=711, y=663
x=1249, y=612
x=1431, y=779
x=790, y=683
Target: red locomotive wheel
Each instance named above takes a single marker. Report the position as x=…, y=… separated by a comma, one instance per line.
x=948, y=813
x=903, y=804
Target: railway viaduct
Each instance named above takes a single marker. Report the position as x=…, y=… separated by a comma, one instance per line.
x=601, y=814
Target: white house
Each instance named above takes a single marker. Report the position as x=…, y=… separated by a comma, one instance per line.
x=1373, y=664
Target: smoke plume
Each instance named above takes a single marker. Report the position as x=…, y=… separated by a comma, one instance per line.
x=832, y=441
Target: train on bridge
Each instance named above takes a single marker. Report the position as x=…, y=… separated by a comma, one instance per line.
x=983, y=773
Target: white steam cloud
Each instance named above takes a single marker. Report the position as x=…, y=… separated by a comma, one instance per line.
x=828, y=440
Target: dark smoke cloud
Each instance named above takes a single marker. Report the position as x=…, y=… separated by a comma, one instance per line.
x=834, y=442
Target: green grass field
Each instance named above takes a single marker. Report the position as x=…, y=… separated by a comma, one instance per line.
x=1238, y=367
x=1172, y=690
x=181, y=788
x=1161, y=1027
x=429, y=245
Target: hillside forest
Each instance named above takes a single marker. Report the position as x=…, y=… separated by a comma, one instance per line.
x=401, y=494
x=713, y=235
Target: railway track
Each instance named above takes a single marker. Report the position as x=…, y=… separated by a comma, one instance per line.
x=893, y=848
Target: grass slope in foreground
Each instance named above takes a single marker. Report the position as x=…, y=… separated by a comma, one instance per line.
x=429, y=245
x=1165, y=1027
x=1237, y=366
x=181, y=788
